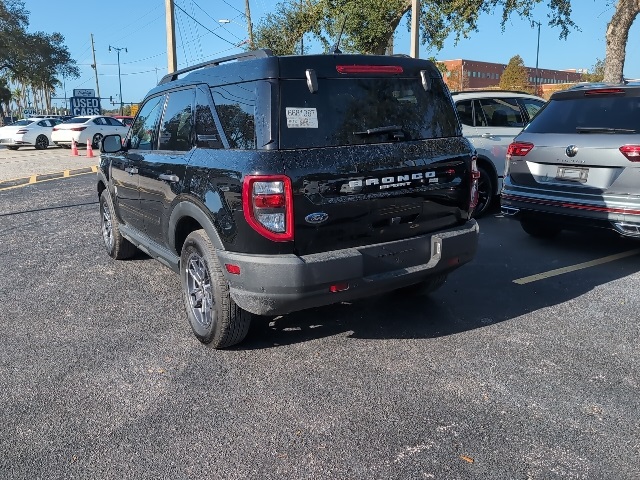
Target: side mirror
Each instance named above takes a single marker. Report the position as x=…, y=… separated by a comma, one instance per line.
x=111, y=144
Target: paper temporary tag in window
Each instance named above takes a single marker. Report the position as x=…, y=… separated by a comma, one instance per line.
x=302, y=117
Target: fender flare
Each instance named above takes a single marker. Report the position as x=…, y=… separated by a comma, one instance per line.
x=189, y=209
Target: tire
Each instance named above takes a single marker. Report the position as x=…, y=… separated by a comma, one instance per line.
x=214, y=317
x=95, y=143
x=538, y=229
x=485, y=193
x=42, y=142
x=13, y=148
x=117, y=246
x=425, y=287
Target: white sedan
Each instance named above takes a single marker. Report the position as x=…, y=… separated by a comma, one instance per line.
x=84, y=129
x=31, y=132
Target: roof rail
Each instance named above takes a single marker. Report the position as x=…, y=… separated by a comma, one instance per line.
x=263, y=53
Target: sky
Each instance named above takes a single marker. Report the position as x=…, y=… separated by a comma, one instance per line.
x=140, y=27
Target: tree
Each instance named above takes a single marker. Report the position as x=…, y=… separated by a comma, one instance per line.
x=515, y=76
x=617, y=37
x=368, y=26
x=596, y=74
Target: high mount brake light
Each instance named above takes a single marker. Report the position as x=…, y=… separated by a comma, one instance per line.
x=369, y=69
x=519, y=149
x=632, y=152
x=267, y=203
x=604, y=91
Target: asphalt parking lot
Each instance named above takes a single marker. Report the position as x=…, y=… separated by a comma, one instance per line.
x=524, y=365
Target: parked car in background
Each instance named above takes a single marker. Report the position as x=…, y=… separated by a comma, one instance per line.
x=490, y=120
x=31, y=132
x=578, y=163
x=87, y=128
x=125, y=119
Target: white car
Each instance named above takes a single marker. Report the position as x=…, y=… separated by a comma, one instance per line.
x=88, y=128
x=31, y=132
x=490, y=120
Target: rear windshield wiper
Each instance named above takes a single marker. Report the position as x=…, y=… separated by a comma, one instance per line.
x=373, y=131
x=603, y=130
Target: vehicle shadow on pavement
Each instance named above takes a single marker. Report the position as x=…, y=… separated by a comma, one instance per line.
x=478, y=295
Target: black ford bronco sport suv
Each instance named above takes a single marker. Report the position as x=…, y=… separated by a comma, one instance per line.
x=274, y=184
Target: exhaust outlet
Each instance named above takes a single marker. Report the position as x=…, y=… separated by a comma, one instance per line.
x=509, y=211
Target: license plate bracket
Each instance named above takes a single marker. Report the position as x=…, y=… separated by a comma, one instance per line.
x=573, y=174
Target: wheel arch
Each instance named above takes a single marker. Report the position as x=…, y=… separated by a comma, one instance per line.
x=187, y=217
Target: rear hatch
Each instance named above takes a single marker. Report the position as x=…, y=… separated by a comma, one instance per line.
x=582, y=142
x=374, y=151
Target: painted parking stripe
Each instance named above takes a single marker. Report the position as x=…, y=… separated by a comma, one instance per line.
x=21, y=182
x=573, y=268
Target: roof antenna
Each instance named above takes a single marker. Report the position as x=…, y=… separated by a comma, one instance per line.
x=335, y=48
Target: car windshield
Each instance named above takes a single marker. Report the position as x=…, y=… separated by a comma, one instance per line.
x=363, y=110
x=78, y=120
x=597, y=114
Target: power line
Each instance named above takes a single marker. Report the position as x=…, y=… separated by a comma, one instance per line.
x=206, y=28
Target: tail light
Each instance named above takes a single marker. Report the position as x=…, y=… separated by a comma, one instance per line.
x=77, y=129
x=267, y=202
x=55, y=129
x=632, y=152
x=22, y=131
x=475, y=176
x=519, y=149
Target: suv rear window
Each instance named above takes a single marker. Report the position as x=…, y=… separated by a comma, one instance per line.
x=569, y=115
x=342, y=110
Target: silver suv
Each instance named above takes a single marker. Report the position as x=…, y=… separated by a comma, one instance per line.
x=578, y=163
x=490, y=120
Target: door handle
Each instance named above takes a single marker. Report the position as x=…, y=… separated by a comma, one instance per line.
x=131, y=170
x=487, y=135
x=169, y=177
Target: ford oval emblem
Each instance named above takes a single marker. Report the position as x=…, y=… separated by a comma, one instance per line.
x=571, y=151
x=317, y=218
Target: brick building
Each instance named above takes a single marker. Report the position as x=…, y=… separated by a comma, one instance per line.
x=470, y=74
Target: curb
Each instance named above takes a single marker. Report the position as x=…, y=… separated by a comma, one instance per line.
x=21, y=182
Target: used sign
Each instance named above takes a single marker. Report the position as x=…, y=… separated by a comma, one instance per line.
x=84, y=106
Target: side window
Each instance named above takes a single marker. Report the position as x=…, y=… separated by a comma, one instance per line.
x=114, y=122
x=465, y=112
x=43, y=123
x=502, y=112
x=531, y=106
x=235, y=105
x=99, y=121
x=176, y=124
x=143, y=130
x=207, y=135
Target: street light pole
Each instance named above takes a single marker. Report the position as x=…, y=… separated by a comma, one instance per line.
x=537, y=54
x=119, y=77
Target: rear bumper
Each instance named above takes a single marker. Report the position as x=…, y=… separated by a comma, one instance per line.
x=279, y=284
x=620, y=213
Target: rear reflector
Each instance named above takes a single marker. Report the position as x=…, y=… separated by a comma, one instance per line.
x=519, y=149
x=369, y=69
x=339, y=287
x=233, y=269
x=632, y=152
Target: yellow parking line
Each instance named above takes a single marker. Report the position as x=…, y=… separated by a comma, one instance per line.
x=94, y=168
x=65, y=174
x=33, y=179
x=573, y=268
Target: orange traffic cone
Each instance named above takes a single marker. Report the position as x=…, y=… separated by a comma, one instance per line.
x=74, y=148
x=89, y=149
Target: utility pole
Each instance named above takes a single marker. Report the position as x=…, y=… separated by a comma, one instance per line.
x=95, y=68
x=415, y=27
x=119, y=77
x=171, y=37
x=537, y=52
x=247, y=13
